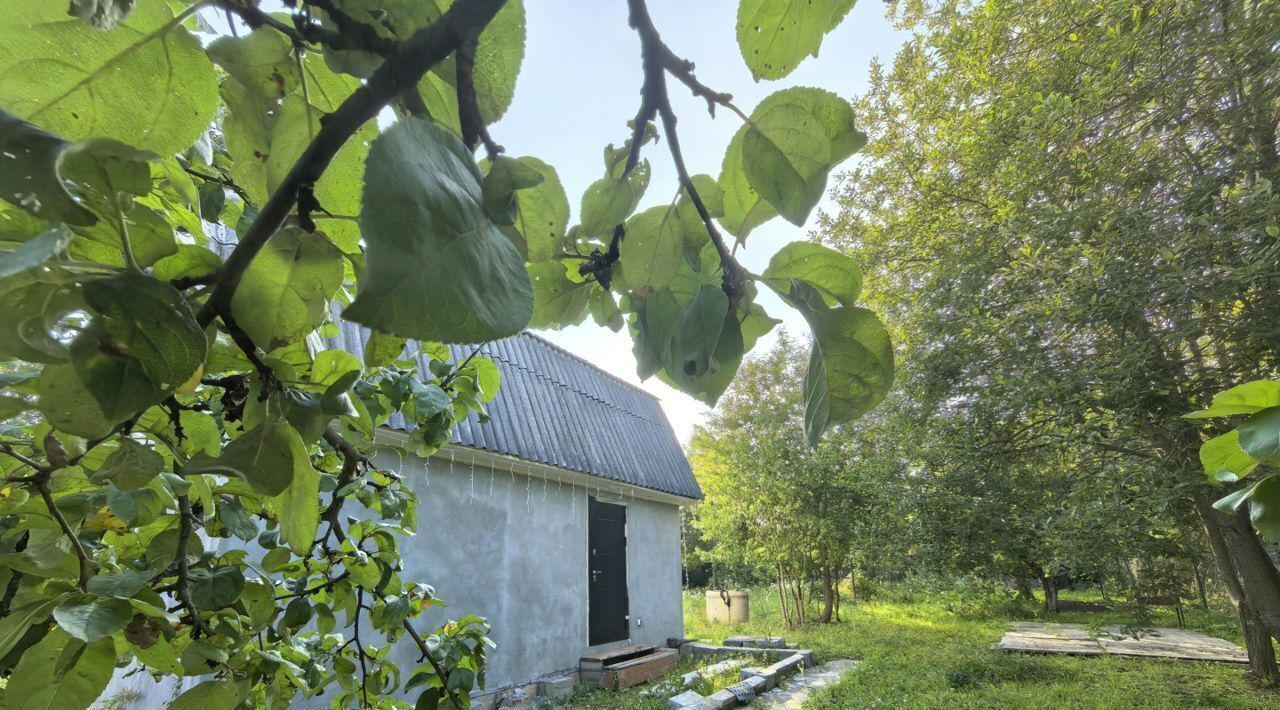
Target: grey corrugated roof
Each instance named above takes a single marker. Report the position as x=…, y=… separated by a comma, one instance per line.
x=556, y=408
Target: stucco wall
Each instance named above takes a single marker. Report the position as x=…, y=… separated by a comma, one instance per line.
x=514, y=550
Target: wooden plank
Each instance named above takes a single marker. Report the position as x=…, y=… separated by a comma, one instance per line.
x=617, y=654
x=640, y=670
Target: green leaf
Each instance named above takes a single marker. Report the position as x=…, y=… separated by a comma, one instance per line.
x=212, y=695
x=706, y=385
x=90, y=618
x=382, y=349
x=30, y=172
x=14, y=626
x=657, y=317
x=610, y=200
x=1223, y=453
x=1248, y=398
x=850, y=368
x=216, y=589
x=34, y=302
x=123, y=584
x=61, y=673
x=653, y=248
x=189, y=261
x=744, y=209
x=499, y=53
x=438, y=269
x=34, y=252
x=504, y=177
x=1260, y=436
x=68, y=405
x=558, y=301
x=213, y=198
x=148, y=82
x=143, y=344
x=695, y=340
x=1264, y=507
x=836, y=276
x=101, y=14
x=236, y=520
x=298, y=508
x=441, y=99
x=285, y=292
x=543, y=213
x=267, y=457
x=774, y=36
x=795, y=138
x=130, y=466
x=262, y=61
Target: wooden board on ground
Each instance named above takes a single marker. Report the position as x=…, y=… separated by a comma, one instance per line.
x=1076, y=639
x=633, y=671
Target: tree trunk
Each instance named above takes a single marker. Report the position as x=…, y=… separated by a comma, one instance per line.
x=828, y=594
x=782, y=598
x=1204, y=598
x=1024, y=589
x=1257, y=641
x=1257, y=573
x=1050, y=586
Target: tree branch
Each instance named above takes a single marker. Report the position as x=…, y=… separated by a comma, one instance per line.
x=86, y=565
x=658, y=59
x=400, y=73
x=473, y=129
x=351, y=459
x=185, y=530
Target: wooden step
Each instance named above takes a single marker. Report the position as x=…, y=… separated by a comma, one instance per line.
x=597, y=661
x=633, y=670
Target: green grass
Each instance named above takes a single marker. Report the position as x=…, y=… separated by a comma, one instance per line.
x=933, y=649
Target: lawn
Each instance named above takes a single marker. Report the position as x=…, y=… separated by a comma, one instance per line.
x=932, y=648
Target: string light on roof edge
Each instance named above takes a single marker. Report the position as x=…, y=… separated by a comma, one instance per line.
x=472, y=495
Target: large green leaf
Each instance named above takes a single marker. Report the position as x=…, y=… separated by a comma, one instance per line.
x=247, y=128
x=285, y=292
x=543, y=213
x=657, y=317
x=503, y=177
x=1224, y=460
x=1260, y=436
x=558, y=301
x=699, y=332
x=499, y=53
x=1264, y=505
x=653, y=248
x=61, y=673
x=268, y=457
x=68, y=405
x=130, y=466
x=795, y=138
x=437, y=267
x=744, y=209
x=216, y=589
x=298, y=507
x=147, y=83
x=91, y=618
x=31, y=304
x=30, y=172
x=850, y=368
x=836, y=276
x=262, y=61
x=143, y=344
x=211, y=695
x=1247, y=398
x=705, y=384
x=774, y=36
x=21, y=618
x=122, y=584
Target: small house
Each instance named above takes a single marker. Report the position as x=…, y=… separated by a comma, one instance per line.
x=558, y=520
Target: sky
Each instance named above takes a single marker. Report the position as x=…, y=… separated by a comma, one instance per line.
x=579, y=85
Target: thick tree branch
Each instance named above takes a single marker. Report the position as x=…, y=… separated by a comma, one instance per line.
x=183, y=587
x=351, y=460
x=398, y=74
x=473, y=129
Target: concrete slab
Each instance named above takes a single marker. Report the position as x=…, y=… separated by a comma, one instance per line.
x=1075, y=639
x=795, y=691
x=756, y=641
x=684, y=701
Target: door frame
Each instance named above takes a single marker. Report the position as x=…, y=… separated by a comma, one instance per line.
x=626, y=539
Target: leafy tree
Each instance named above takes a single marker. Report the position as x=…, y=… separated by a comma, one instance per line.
x=773, y=502
x=165, y=389
x=1070, y=209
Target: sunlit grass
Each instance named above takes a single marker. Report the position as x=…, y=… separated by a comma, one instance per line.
x=933, y=649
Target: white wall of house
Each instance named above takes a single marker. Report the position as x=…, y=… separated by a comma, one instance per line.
x=513, y=548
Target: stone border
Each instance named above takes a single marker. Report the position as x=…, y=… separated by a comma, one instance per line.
x=753, y=682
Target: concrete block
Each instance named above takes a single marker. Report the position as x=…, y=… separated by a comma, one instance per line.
x=758, y=684
x=678, y=642
x=684, y=701
x=720, y=700
x=756, y=642
x=769, y=675
x=557, y=686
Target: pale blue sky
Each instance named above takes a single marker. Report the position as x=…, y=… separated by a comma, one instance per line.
x=580, y=84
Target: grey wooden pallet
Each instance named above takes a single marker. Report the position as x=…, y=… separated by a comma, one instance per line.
x=1077, y=640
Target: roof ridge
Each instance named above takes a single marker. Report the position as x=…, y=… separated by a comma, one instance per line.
x=588, y=363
